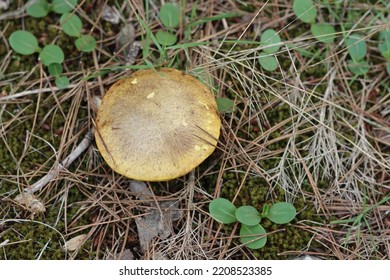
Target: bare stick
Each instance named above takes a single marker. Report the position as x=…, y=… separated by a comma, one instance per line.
x=84, y=144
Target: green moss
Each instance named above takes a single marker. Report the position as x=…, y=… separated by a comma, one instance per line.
x=255, y=190
x=41, y=237
x=29, y=239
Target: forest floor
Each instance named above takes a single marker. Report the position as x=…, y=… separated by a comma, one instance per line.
x=305, y=119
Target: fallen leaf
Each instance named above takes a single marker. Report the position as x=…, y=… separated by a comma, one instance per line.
x=31, y=202
x=75, y=243
x=158, y=222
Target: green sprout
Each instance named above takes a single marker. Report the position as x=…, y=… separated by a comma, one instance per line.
x=306, y=11
x=41, y=8
x=170, y=18
x=357, y=50
x=25, y=43
x=72, y=26
x=52, y=56
x=271, y=42
x=252, y=234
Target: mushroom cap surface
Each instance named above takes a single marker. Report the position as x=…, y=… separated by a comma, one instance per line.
x=157, y=125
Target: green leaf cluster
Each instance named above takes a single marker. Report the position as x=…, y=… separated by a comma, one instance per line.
x=357, y=50
x=271, y=42
x=41, y=8
x=70, y=23
x=52, y=56
x=252, y=234
x=170, y=19
x=25, y=43
x=306, y=11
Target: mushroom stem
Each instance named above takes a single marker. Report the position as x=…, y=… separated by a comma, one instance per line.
x=84, y=144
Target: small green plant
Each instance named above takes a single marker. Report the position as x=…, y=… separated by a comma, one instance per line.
x=360, y=221
x=268, y=61
x=70, y=23
x=270, y=40
x=306, y=11
x=357, y=50
x=252, y=234
x=52, y=56
x=41, y=8
x=25, y=43
x=225, y=105
x=170, y=18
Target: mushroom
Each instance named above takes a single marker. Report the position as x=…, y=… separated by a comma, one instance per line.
x=157, y=125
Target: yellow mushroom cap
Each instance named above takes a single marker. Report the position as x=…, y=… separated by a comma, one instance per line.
x=157, y=125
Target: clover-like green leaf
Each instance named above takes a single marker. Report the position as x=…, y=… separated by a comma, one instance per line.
x=323, y=32
x=222, y=210
x=225, y=105
x=37, y=8
x=24, y=42
x=281, y=213
x=358, y=68
x=71, y=24
x=51, y=54
x=170, y=15
x=251, y=236
x=86, y=43
x=63, y=6
x=62, y=82
x=384, y=35
x=384, y=44
x=268, y=61
x=356, y=46
x=248, y=215
x=305, y=10
x=55, y=69
x=384, y=49
x=270, y=38
x=166, y=38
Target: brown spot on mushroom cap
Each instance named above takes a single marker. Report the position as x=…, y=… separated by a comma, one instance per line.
x=140, y=131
